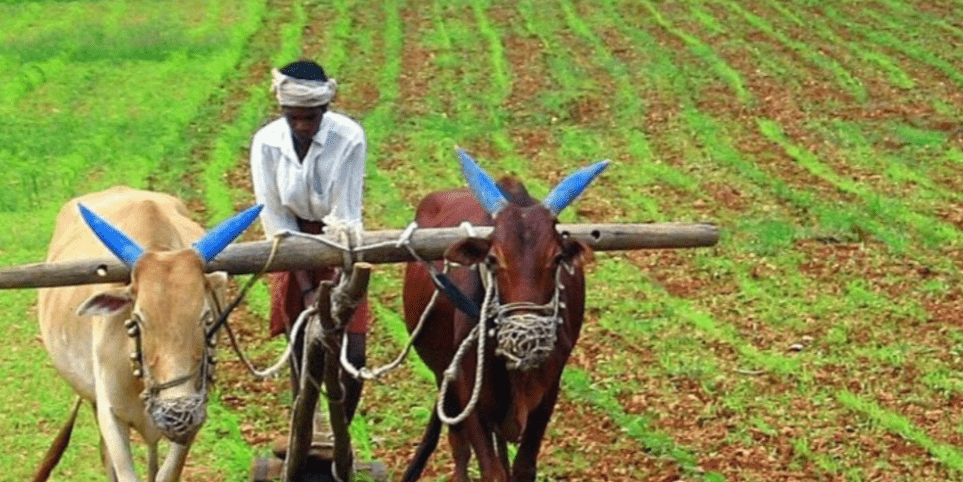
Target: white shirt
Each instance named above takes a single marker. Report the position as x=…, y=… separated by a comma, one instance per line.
x=326, y=187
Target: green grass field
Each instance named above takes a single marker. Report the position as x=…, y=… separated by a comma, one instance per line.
x=820, y=340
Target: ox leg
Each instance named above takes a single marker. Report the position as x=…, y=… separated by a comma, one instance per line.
x=460, y=452
x=174, y=463
x=116, y=437
x=152, y=462
x=502, y=446
x=105, y=459
x=489, y=460
x=524, y=467
x=457, y=439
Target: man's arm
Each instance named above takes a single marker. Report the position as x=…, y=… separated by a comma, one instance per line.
x=275, y=218
x=348, y=192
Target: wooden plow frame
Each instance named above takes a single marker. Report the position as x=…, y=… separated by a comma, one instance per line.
x=323, y=334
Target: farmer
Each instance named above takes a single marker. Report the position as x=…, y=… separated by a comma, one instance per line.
x=308, y=171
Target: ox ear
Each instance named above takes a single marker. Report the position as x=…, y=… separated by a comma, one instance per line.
x=468, y=251
x=106, y=303
x=577, y=252
x=116, y=241
x=570, y=187
x=218, y=283
x=217, y=280
x=218, y=238
x=481, y=185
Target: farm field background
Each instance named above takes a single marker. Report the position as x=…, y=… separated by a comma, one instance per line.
x=820, y=340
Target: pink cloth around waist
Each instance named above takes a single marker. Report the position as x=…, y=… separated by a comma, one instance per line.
x=287, y=301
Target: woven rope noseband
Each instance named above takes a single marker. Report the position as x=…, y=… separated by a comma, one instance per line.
x=179, y=418
x=525, y=340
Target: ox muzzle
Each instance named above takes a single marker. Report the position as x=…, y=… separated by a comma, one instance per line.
x=525, y=332
x=525, y=340
x=177, y=418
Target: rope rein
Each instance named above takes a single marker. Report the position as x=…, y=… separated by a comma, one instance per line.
x=452, y=371
x=276, y=367
x=524, y=340
x=366, y=373
x=299, y=324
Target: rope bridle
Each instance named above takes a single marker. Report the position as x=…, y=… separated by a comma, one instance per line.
x=152, y=388
x=524, y=340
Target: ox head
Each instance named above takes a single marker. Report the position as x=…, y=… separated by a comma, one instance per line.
x=170, y=302
x=527, y=259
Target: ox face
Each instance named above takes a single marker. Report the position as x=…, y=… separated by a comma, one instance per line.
x=524, y=253
x=527, y=261
x=170, y=303
x=166, y=310
x=173, y=308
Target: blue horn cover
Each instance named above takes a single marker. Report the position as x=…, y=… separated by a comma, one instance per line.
x=481, y=185
x=116, y=241
x=218, y=238
x=570, y=187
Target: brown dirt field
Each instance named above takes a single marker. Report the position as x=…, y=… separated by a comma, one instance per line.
x=680, y=406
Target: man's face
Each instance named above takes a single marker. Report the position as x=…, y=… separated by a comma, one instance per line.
x=304, y=121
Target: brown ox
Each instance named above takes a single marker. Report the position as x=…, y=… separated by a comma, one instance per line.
x=532, y=323
x=95, y=333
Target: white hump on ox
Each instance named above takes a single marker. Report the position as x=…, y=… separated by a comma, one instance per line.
x=139, y=352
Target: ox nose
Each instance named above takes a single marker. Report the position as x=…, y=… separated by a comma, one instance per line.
x=179, y=418
x=525, y=340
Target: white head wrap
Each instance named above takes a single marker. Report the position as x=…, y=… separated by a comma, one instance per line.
x=293, y=92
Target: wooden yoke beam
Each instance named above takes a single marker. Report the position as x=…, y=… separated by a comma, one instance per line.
x=301, y=253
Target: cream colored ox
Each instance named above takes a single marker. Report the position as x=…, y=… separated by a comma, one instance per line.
x=138, y=352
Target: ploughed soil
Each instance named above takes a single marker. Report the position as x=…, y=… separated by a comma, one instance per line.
x=584, y=442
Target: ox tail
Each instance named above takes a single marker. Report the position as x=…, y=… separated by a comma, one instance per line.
x=58, y=446
x=429, y=441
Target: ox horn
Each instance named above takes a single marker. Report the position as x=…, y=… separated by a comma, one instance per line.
x=481, y=184
x=218, y=238
x=566, y=191
x=116, y=241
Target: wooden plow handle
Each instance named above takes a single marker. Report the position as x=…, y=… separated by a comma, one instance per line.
x=322, y=345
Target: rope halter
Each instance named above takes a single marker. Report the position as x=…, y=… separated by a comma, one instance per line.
x=152, y=388
x=178, y=418
x=525, y=332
